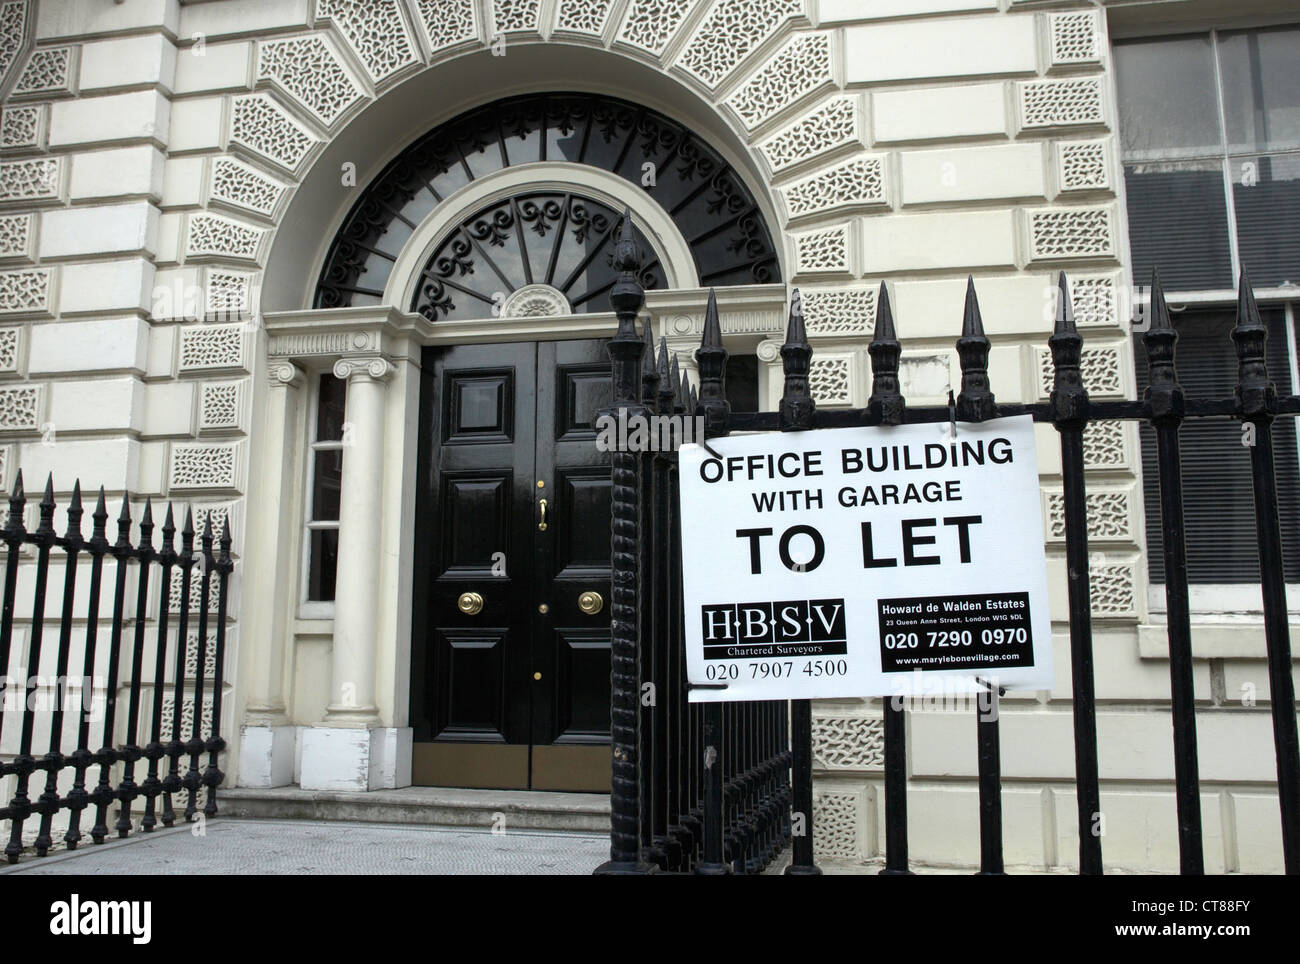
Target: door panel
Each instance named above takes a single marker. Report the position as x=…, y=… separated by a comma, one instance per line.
x=516, y=694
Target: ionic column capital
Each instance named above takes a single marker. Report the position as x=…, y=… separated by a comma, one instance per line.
x=285, y=374
x=367, y=366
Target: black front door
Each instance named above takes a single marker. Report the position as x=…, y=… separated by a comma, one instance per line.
x=510, y=635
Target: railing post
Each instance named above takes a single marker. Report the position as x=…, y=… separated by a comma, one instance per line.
x=886, y=407
x=975, y=403
x=82, y=757
x=667, y=680
x=1165, y=398
x=1069, y=408
x=1256, y=406
x=212, y=776
x=49, y=802
x=127, y=790
x=625, y=349
x=712, y=405
x=154, y=750
x=20, y=806
x=796, y=415
x=103, y=794
x=172, y=782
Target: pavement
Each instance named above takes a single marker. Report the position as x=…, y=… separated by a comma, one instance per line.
x=292, y=847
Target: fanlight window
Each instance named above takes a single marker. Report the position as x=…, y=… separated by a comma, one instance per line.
x=707, y=200
x=542, y=253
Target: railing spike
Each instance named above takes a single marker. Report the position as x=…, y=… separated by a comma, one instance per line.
x=1255, y=392
x=975, y=403
x=18, y=492
x=1159, y=310
x=75, y=512
x=797, y=405
x=886, y=404
x=1064, y=306
x=711, y=358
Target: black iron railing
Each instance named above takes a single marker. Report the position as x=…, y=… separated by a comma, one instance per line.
x=106, y=777
x=707, y=787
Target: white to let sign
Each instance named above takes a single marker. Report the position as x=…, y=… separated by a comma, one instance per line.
x=857, y=561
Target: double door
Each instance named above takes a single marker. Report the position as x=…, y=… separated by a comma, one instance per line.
x=510, y=642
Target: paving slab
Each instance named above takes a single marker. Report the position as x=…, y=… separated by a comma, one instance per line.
x=290, y=847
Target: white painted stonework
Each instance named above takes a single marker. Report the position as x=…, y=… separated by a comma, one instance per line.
x=170, y=180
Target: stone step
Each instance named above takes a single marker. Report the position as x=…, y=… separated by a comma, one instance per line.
x=428, y=806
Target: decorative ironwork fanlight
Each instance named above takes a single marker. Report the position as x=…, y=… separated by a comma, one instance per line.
x=503, y=247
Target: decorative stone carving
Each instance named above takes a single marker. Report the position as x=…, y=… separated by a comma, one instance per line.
x=220, y=513
x=310, y=71
x=447, y=23
x=284, y=374
x=11, y=340
x=511, y=15
x=856, y=183
x=651, y=24
x=1109, y=511
x=380, y=369
x=6, y=460
x=22, y=127
x=1113, y=590
x=242, y=186
x=376, y=32
x=221, y=407
x=848, y=743
x=1093, y=298
x=1074, y=38
x=209, y=658
x=1061, y=103
x=837, y=815
x=26, y=291
x=839, y=311
x=31, y=180
x=197, y=465
x=17, y=237
x=1071, y=233
x=826, y=251
x=1083, y=166
x=800, y=67
x=228, y=294
x=13, y=30
x=211, y=348
x=261, y=126
x=584, y=16
x=21, y=407
x=47, y=71
x=769, y=351
x=830, y=379
x=211, y=235
x=833, y=124
x=196, y=582
x=1105, y=445
x=1100, y=366
x=730, y=32
x=536, y=301
x=168, y=716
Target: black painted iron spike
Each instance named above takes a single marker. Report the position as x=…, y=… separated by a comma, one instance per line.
x=712, y=337
x=147, y=519
x=76, y=496
x=169, y=523
x=661, y=363
x=972, y=323
x=1159, y=310
x=75, y=512
x=1064, y=307
x=795, y=332
x=207, y=528
x=187, y=530
x=675, y=378
x=125, y=514
x=19, y=492
x=884, y=317
x=1247, y=310
x=648, y=356
x=225, y=539
x=100, y=515
x=626, y=256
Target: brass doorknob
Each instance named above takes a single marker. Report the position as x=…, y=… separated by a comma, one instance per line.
x=591, y=603
x=470, y=603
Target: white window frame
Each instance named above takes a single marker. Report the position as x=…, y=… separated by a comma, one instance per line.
x=314, y=608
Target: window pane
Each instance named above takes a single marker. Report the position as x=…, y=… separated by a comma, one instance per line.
x=326, y=485
x=1266, y=192
x=324, y=564
x=1178, y=222
x=1167, y=102
x=329, y=414
x=1218, y=502
x=1261, y=88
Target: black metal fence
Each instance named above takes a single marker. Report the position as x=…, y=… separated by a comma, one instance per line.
x=705, y=787
x=174, y=771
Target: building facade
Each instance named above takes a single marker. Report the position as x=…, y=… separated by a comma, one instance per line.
x=336, y=271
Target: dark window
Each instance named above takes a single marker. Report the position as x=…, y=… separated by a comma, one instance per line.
x=326, y=467
x=1218, y=500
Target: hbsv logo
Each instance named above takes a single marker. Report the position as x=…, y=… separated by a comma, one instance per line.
x=794, y=621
